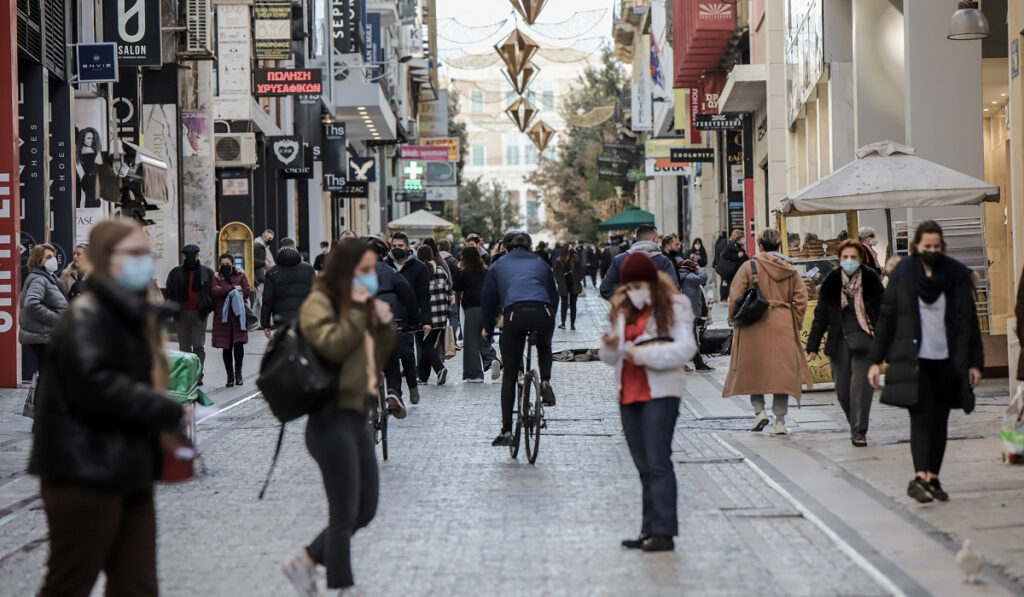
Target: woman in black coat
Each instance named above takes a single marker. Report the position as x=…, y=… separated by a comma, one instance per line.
x=698, y=248
x=928, y=333
x=729, y=262
x=848, y=307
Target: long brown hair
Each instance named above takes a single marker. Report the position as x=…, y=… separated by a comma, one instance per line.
x=663, y=293
x=104, y=236
x=339, y=270
x=35, y=257
x=927, y=227
x=471, y=261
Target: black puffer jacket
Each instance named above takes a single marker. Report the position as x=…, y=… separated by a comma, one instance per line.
x=97, y=414
x=898, y=335
x=285, y=288
x=828, y=315
x=396, y=291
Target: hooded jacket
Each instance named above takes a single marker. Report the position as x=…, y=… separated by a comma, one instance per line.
x=286, y=286
x=767, y=357
x=610, y=281
x=42, y=302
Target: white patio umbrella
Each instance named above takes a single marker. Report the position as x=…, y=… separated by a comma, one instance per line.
x=420, y=221
x=888, y=175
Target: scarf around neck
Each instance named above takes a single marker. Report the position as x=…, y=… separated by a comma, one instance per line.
x=928, y=289
x=853, y=289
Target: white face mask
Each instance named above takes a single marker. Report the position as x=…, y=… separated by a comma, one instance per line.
x=51, y=264
x=640, y=297
x=874, y=241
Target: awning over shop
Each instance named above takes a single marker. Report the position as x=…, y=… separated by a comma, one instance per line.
x=889, y=175
x=702, y=31
x=420, y=221
x=628, y=220
x=745, y=90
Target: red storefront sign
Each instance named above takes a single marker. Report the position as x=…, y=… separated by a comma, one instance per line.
x=712, y=84
x=695, y=136
x=10, y=255
x=702, y=29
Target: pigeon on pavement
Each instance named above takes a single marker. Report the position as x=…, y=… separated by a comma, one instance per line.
x=969, y=562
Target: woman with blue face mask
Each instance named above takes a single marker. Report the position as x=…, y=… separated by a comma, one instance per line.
x=354, y=331
x=100, y=408
x=848, y=307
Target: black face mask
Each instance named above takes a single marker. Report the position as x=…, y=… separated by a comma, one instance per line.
x=191, y=261
x=930, y=258
x=398, y=254
x=225, y=270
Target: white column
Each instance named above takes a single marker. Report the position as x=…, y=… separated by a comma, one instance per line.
x=878, y=65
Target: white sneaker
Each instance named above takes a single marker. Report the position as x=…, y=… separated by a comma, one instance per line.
x=301, y=572
x=780, y=428
x=760, y=422
x=496, y=370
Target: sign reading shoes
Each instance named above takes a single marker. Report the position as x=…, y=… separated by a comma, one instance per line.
x=287, y=151
x=135, y=26
x=287, y=81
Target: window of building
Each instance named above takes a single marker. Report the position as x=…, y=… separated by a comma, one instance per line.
x=476, y=100
x=548, y=96
x=530, y=155
x=511, y=149
x=479, y=156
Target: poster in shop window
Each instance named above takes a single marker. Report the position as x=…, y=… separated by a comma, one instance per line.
x=272, y=34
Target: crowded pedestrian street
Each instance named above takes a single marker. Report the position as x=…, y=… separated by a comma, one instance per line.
x=804, y=515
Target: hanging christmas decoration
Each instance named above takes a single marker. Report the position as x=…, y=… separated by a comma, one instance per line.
x=516, y=50
x=521, y=112
x=529, y=9
x=521, y=81
x=541, y=135
x=597, y=115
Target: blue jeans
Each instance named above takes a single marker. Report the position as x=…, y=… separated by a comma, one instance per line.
x=649, y=427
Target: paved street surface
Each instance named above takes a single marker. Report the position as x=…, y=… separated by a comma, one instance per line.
x=805, y=515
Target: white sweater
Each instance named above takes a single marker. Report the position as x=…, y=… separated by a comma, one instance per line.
x=663, y=362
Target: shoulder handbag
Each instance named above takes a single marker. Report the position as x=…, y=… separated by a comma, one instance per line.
x=178, y=457
x=751, y=305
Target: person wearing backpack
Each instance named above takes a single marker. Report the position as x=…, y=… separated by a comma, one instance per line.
x=767, y=357
x=350, y=329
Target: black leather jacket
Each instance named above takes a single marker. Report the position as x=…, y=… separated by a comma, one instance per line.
x=97, y=414
x=178, y=288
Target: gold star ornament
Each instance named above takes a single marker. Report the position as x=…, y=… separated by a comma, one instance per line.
x=516, y=51
x=521, y=81
x=541, y=135
x=529, y=9
x=521, y=112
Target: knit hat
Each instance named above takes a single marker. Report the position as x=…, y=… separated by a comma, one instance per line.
x=638, y=267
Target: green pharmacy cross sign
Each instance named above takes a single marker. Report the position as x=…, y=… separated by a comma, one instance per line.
x=413, y=172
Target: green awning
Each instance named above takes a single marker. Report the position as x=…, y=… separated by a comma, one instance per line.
x=628, y=220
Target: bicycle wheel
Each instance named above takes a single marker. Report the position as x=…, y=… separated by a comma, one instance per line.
x=382, y=407
x=518, y=432
x=530, y=417
x=536, y=420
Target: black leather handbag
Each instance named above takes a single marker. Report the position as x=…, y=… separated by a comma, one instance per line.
x=751, y=305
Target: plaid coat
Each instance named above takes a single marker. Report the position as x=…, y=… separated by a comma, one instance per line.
x=440, y=293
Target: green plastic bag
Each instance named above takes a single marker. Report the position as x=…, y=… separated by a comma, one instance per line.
x=183, y=381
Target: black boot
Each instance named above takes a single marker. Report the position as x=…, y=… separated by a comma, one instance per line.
x=238, y=375
x=231, y=381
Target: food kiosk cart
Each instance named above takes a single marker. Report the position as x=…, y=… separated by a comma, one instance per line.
x=884, y=178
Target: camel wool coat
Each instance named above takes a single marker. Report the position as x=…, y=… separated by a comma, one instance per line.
x=767, y=357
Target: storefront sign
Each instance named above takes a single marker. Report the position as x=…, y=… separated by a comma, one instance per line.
x=425, y=153
x=10, y=204
x=662, y=147
x=451, y=143
x=335, y=156
x=693, y=154
x=287, y=81
x=719, y=122
x=134, y=25
x=450, y=193
x=273, y=29
x=642, y=110
x=440, y=174
x=373, y=50
x=362, y=169
x=286, y=152
x=694, y=134
x=433, y=116
x=411, y=175
x=346, y=25
x=32, y=157
x=653, y=168
x=305, y=171
x=62, y=170
x=127, y=112
x=234, y=63
x=96, y=63
x=353, y=190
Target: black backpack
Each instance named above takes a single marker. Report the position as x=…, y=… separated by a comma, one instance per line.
x=294, y=381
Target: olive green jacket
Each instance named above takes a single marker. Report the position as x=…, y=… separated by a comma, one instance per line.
x=343, y=341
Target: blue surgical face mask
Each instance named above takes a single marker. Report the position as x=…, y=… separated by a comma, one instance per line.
x=369, y=281
x=850, y=266
x=136, y=272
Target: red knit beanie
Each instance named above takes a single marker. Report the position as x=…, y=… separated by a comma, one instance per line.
x=638, y=267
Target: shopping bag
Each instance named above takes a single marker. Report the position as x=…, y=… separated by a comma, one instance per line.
x=449, y=343
x=29, y=410
x=1012, y=433
x=178, y=457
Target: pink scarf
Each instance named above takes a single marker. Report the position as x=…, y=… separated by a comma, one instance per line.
x=852, y=289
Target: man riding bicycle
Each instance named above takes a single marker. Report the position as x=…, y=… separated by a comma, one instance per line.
x=521, y=284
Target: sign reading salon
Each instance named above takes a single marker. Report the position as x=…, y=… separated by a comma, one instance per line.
x=135, y=26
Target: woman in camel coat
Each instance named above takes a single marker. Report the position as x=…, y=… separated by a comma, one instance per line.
x=767, y=357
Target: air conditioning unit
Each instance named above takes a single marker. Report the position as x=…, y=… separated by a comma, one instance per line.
x=198, y=29
x=235, y=150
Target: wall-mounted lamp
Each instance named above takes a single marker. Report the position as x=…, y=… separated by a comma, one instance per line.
x=968, y=22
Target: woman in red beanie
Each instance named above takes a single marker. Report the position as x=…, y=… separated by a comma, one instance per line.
x=650, y=342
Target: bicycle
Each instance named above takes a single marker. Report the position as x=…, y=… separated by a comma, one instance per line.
x=380, y=412
x=529, y=414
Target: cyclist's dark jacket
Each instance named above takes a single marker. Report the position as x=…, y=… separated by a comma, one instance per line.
x=518, y=277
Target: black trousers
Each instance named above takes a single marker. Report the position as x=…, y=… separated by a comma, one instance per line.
x=648, y=427
x=698, y=360
x=340, y=442
x=239, y=351
x=929, y=418
x=93, y=530
x=402, y=358
x=519, y=319
x=430, y=354
x=569, y=304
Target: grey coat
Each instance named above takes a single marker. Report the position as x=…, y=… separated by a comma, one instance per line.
x=692, y=284
x=42, y=302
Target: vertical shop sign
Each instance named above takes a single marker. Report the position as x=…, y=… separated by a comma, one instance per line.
x=32, y=159
x=346, y=26
x=62, y=173
x=234, y=63
x=694, y=135
x=9, y=202
x=433, y=116
x=372, y=50
x=127, y=113
x=335, y=156
x=273, y=29
x=135, y=26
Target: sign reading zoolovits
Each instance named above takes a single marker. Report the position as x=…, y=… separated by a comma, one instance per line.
x=10, y=257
